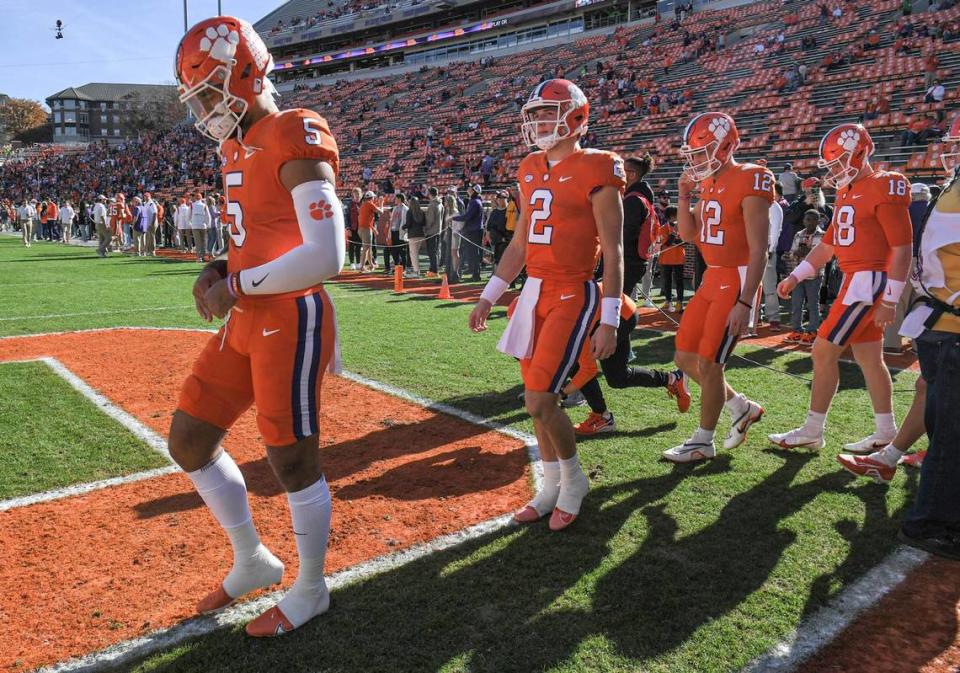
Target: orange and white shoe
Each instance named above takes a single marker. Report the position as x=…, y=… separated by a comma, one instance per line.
x=678, y=391
x=527, y=514
x=874, y=442
x=798, y=438
x=738, y=431
x=270, y=624
x=867, y=466
x=560, y=519
x=215, y=601
x=914, y=459
x=595, y=424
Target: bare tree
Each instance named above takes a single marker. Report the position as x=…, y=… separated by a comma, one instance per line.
x=156, y=110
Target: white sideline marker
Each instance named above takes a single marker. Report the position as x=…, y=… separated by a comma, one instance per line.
x=138, y=429
x=161, y=639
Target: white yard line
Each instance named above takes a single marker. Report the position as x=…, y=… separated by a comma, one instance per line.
x=48, y=316
x=138, y=429
x=829, y=621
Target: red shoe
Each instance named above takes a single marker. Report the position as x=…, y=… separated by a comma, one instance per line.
x=865, y=466
x=914, y=459
x=793, y=337
x=560, y=519
x=271, y=623
x=678, y=391
x=808, y=338
x=595, y=424
x=214, y=601
x=528, y=514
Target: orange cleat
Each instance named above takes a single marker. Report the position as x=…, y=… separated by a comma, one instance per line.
x=865, y=466
x=914, y=459
x=594, y=424
x=527, y=514
x=678, y=391
x=270, y=624
x=560, y=519
x=215, y=601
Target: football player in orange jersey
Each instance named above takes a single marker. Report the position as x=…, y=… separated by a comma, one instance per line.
x=729, y=225
x=871, y=237
x=571, y=210
x=286, y=237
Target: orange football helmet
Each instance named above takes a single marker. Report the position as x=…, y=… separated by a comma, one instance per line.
x=951, y=160
x=709, y=141
x=843, y=152
x=221, y=67
x=571, y=112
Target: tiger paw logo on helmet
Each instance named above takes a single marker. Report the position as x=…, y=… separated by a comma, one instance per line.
x=320, y=210
x=221, y=42
x=719, y=127
x=849, y=140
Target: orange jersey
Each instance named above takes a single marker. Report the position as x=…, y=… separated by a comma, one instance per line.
x=119, y=214
x=259, y=209
x=870, y=216
x=365, y=219
x=723, y=232
x=562, y=239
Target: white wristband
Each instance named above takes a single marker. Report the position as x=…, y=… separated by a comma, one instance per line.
x=894, y=290
x=495, y=288
x=610, y=311
x=803, y=271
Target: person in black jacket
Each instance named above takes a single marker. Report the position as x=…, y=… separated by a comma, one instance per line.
x=636, y=237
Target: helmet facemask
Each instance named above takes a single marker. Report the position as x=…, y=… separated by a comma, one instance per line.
x=561, y=126
x=701, y=162
x=951, y=160
x=218, y=112
x=839, y=171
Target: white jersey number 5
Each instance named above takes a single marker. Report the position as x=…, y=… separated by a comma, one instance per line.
x=237, y=233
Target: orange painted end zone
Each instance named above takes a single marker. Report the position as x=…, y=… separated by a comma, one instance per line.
x=89, y=571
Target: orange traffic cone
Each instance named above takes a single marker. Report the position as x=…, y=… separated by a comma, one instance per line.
x=444, y=289
x=398, y=278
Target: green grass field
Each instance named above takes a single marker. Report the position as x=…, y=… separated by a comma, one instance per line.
x=670, y=568
x=53, y=436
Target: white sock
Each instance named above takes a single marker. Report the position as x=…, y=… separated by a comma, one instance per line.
x=702, y=436
x=815, y=422
x=737, y=405
x=888, y=455
x=546, y=499
x=310, y=511
x=220, y=484
x=574, y=485
x=885, y=424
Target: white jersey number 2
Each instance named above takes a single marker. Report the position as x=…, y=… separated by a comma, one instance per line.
x=540, y=234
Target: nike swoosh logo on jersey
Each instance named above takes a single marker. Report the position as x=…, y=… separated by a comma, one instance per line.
x=721, y=189
x=724, y=287
x=564, y=297
x=256, y=283
x=267, y=332
x=564, y=179
x=856, y=196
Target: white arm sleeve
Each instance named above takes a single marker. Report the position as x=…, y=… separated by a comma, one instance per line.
x=321, y=254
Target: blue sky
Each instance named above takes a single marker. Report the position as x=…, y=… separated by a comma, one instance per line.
x=104, y=41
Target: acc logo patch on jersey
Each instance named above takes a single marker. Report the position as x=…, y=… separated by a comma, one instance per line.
x=528, y=178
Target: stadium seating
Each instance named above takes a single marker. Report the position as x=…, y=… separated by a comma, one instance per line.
x=381, y=122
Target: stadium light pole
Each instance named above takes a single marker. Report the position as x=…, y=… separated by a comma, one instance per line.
x=185, y=16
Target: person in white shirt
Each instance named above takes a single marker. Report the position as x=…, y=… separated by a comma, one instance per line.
x=28, y=216
x=103, y=226
x=768, y=285
x=67, y=215
x=181, y=220
x=935, y=93
x=200, y=222
x=398, y=216
x=151, y=211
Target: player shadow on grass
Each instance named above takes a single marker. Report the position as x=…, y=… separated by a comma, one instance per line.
x=456, y=472
x=420, y=616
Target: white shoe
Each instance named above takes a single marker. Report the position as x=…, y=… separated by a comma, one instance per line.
x=690, y=452
x=798, y=438
x=353, y=267
x=874, y=442
x=738, y=431
x=411, y=274
x=649, y=304
x=574, y=399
